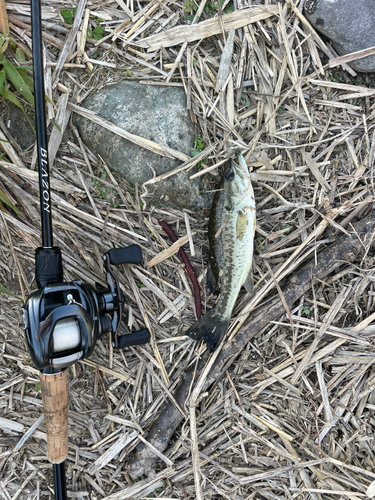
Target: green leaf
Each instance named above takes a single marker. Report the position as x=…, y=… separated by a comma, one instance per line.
x=98, y=32
x=305, y=310
x=229, y=8
x=57, y=126
x=198, y=146
x=28, y=68
x=90, y=33
x=3, y=43
x=18, y=81
x=11, y=97
x=8, y=292
x=20, y=55
x=2, y=78
x=26, y=78
x=7, y=201
x=37, y=387
x=189, y=5
x=67, y=16
x=74, y=11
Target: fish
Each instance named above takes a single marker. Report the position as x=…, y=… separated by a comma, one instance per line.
x=231, y=231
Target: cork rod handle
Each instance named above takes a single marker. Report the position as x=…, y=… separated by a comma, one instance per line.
x=55, y=404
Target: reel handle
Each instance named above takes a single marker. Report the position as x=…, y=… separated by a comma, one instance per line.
x=54, y=389
x=137, y=338
x=128, y=255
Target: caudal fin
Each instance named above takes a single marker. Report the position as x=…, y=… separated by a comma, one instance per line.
x=210, y=328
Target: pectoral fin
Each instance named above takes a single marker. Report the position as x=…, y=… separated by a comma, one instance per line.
x=211, y=279
x=241, y=225
x=249, y=283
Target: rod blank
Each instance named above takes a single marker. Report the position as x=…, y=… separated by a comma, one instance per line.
x=41, y=126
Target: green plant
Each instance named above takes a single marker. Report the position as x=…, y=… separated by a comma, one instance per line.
x=334, y=75
x=198, y=146
x=286, y=229
x=190, y=10
x=305, y=310
x=211, y=8
x=17, y=76
x=229, y=8
x=97, y=32
x=190, y=6
x=8, y=292
x=245, y=101
x=14, y=79
x=6, y=201
x=259, y=242
x=68, y=15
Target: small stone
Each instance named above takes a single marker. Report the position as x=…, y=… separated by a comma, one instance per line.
x=349, y=24
x=17, y=124
x=154, y=112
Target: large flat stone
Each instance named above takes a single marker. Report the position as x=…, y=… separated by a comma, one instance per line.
x=154, y=112
x=350, y=24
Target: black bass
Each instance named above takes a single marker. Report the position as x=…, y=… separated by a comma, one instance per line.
x=231, y=239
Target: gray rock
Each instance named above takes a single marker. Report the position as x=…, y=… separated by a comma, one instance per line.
x=17, y=125
x=157, y=113
x=350, y=24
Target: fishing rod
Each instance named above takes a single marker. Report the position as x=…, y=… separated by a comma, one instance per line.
x=64, y=320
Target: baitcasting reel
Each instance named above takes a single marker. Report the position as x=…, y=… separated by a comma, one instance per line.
x=64, y=320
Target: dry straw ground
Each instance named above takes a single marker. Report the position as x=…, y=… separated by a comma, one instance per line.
x=288, y=410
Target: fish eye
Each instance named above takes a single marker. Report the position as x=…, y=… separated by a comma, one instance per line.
x=229, y=175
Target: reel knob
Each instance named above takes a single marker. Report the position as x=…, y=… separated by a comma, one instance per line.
x=137, y=338
x=128, y=255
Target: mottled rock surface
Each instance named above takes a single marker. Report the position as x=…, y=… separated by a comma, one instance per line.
x=17, y=124
x=157, y=113
x=350, y=24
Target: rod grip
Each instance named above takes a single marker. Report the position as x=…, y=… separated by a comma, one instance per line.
x=55, y=404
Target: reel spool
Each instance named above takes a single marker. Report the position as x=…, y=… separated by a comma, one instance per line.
x=66, y=335
x=64, y=320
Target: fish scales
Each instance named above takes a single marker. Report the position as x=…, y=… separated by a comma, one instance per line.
x=231, y=241
x=232, y=252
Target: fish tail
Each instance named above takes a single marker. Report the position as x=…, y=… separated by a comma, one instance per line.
x=210, y=328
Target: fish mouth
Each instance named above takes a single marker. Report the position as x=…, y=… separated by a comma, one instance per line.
x=240, y=168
